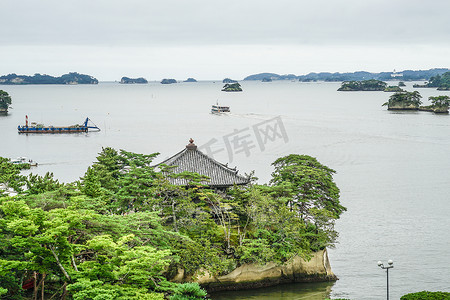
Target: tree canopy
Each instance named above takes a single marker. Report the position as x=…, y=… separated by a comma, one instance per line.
x=5, y=100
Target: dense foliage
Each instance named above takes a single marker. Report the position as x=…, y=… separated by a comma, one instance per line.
x=365, y=85
x=122, y=231
x=425, y=295
x=232, y=87
x=70, y=78
x=5, y=100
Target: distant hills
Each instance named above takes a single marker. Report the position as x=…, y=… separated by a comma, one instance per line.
x=407, y=75
x=70, y=78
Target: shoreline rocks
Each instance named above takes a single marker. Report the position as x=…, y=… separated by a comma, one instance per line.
x=249, y=276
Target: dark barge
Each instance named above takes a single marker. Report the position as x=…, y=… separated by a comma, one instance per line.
x=39, y=128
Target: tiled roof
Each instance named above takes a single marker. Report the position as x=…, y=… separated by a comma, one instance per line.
x=192, y=160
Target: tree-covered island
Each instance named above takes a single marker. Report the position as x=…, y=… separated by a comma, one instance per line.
x=393, y=88
x=232, y=87
x=439, y=105
x=70, y=78
x=123, y=231
x=5, y=102
x=404, y=101
x=228, y=80
x=411, y=101
x=127, y=80
x=365, y=85
x=441, y=82
x=168, y=81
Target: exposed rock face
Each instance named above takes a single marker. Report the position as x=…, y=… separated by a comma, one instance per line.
x=403, y=107
x=435, y=109
x=254, y=275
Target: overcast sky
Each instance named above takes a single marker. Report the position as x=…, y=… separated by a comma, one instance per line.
x=209, y=39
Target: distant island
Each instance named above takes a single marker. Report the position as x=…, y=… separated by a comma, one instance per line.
x=228, y=80
x=232, y=87
x=127, y=80
x=393, y=88
x=168, y=81
x=70, y=78
x=190, y=80
x=407, y=75
x=266, y=79
x=441, y=82
x=5, y=101
x=365, y=85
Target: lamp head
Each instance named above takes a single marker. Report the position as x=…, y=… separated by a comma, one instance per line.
x=380, y=263
x=390, y=262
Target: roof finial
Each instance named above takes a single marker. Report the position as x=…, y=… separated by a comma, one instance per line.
x=191, y=145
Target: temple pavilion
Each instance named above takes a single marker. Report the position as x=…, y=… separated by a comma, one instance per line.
x=193, y=160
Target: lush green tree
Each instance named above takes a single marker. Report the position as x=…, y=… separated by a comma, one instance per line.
x=312, y=193
x=36, y=184
x=440, y=101
x=10, y=178
x=5, y=100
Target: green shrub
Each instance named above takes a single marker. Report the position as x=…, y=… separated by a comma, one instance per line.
x=188, y=291
x=425, y=295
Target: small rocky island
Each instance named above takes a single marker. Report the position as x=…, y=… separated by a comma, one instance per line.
x=393, y=88
x=127, y=80
x=439, y=105
x=168, y=81
x=190, y=79
x=411, y=101
x=5, y=101
x=70, y=78
x=364, y=85
x=404, y=101
x=228, y=80
x=232, y=87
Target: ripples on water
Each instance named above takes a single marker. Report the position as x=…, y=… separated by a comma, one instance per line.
x=392, y=168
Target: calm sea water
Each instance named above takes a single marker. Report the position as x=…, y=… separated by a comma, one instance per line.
x=392, y=167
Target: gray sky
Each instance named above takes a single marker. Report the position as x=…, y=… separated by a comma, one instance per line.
x=208, y=39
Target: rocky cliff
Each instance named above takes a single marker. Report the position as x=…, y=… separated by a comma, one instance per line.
x=254, y=275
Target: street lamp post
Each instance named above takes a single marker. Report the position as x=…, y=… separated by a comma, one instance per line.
x=391, y=265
